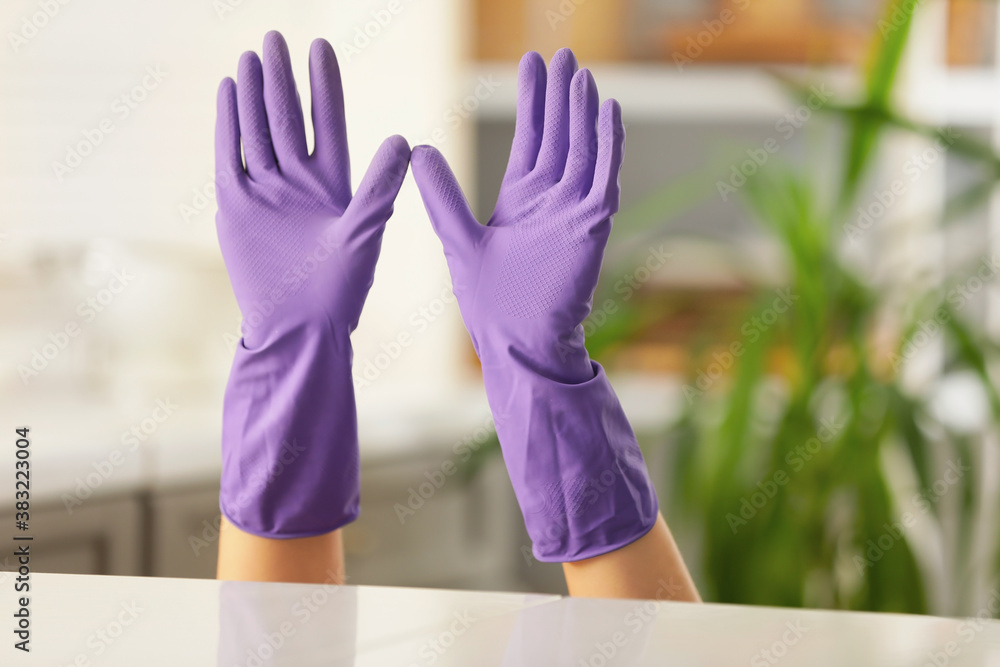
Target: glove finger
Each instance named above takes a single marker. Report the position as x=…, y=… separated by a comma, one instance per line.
x=253, y=118
x=329, y=124
x=582, y=156
x=445, y=202
x=606, y=190
x=228, y=158
x=530, y=120
x=373, y=202
x=555, y=136
x=284, y=112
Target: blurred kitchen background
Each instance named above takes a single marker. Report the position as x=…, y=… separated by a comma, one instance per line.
x=800, y=308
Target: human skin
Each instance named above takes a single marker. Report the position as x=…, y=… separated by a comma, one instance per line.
x=650, y=568
x=307, y=560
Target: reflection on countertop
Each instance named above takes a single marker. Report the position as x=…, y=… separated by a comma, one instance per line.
x=130, y=621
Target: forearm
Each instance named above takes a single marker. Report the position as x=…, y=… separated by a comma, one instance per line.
x=585, y=490
x=290, y=466
x=649, y=568
x=246, y=557
x=601, y=515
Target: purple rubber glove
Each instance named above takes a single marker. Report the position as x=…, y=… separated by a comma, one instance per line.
x=301, y=253
x=525, y=283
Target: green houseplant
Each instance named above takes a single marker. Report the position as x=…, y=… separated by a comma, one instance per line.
x=793, y=476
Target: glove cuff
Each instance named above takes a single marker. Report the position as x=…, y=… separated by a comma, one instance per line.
x=289, y=436
x=574, y=462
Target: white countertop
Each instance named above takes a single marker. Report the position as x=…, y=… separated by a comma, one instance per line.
x=126, y=621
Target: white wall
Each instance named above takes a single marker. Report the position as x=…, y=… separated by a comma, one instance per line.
x=165, y=333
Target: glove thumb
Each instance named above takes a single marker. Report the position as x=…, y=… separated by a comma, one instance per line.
x=446, y=205
x=372, y=204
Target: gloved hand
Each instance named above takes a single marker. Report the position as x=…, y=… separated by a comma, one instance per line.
x=525, y=283
x=300, y=250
